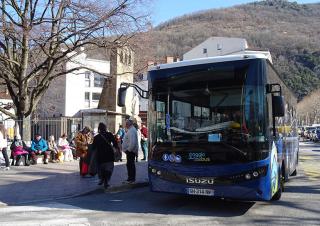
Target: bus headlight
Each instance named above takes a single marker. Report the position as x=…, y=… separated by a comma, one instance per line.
x=159, y=173
x=250, y=175
x=153, y=170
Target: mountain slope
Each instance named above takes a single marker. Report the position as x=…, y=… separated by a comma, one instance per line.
x=289, y=30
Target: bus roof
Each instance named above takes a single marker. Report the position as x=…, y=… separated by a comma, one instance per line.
x=207, y=60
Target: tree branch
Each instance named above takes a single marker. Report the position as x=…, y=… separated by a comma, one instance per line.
x=8, y=113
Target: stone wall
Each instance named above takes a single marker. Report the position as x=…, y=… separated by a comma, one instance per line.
x=121, y=70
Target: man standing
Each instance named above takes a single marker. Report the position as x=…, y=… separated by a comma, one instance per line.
x=39, y=147
x=119, y=137
x=130, y=147
x=144, y=141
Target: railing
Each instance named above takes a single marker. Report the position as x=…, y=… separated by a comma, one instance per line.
x=47, y=127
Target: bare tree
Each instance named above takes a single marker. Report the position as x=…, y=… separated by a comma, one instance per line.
x=39, y=36
x=308, y=109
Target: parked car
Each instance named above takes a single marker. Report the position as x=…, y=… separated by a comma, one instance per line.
x=316, y=135
x=307, y=132
x=313, y=135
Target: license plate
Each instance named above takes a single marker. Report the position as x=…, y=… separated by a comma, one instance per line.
x=200, y=191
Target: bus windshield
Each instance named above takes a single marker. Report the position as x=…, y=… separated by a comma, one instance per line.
x=198, y=114
x=218, y=104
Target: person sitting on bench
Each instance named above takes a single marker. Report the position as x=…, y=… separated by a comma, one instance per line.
x=19, y=151
x=39, y=147
x=64, y=146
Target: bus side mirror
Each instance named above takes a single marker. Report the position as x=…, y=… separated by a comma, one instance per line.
x=122, y=92
x=278, y=106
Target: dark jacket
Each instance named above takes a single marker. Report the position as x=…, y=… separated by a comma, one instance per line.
x=104, y=147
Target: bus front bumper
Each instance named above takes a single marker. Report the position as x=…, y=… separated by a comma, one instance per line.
x=255, y=189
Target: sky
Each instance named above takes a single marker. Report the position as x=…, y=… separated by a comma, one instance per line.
x=164, y=10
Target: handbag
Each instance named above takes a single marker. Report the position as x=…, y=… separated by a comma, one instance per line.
x=84, y=168
x=60, y=156
x=115, y=151
x=93, y=166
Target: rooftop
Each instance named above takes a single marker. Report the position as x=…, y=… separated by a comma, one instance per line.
x=217, y=59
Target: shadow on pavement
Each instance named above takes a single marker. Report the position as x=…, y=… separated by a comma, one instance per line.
x=143, y=201
x=23, y=185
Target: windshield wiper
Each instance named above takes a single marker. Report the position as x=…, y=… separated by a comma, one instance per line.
x=234, y=148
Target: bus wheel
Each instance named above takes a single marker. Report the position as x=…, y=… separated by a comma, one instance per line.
x=294, y=173
x=278, y=194
x=285, y=173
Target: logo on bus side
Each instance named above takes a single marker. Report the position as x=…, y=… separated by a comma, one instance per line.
x=193, y=180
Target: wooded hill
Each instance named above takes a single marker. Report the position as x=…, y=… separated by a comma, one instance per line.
x=289, y=30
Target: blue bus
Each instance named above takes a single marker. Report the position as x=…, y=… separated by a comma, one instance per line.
x=220, y=126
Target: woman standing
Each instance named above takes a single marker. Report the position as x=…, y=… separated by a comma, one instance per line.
x=104, y=143
x=3, y=146
x=82, y=140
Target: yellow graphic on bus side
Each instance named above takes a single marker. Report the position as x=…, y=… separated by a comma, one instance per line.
x=274, y=170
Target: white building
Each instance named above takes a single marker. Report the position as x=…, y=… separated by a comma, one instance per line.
x=75, y=91
x=143, y=84
x=9, y=123
x=216, y=46
x=222, y=46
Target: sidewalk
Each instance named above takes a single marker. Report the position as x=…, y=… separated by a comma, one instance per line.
x=41, y=182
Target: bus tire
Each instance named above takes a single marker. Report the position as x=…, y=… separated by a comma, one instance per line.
x=294, y=173
x=285, y=173
x=277, y=195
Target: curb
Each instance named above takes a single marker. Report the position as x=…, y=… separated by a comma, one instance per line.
x=115, y=189
x=99, y=190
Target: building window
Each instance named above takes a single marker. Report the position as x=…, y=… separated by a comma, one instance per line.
x=87, y=99
x=121, y=57
x=96, y=96
x=126, y=59
x=98, y=80
x=87, y=79
x=129, y=59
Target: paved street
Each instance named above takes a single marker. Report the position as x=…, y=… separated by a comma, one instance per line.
x=299, y=205
x=24, y=185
